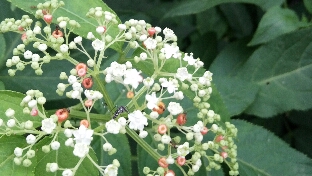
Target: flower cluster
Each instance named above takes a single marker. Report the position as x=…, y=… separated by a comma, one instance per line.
x=158, y=97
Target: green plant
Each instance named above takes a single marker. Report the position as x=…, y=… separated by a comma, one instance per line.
x=144, y=79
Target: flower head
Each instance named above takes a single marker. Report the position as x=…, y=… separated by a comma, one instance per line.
x=152, y=101
x=81, y=150
x=175, y=108
x=83, y=135
x=170, y=51
x=112, y=126
x=150, y=43
x=183, y=150
x=98, y=45
x=137, y=120
x=48, y=125
x=133, y=77
x=111, y=170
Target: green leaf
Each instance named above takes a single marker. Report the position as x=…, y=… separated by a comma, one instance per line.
x=274, y=23
x=75, y=10
x=260, y=152
x=2, y=51
x=193, y=7
x=64, y=157
x=283, y=70
x=10, y=99
x=308, y=5
x=238, y=18
x=7, y=166
x=237, y=94
x=216, y=22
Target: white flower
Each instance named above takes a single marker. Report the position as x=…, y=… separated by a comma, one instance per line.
x=171, y=51
x=27, y=99
x=214, y=127
x=90, y=35
x=68, y=133
x=175, y=108
x=143, y=37
x=18, y=152
x=37, y=30
x=158, y=29
x=182, y=74
x=32, y=103
x=150, y=43
x=100, y=29
x=31, y=139
x=48, y=125
x=98, y=45
x=112, y=126
x=15, y=59
x=165, y=139
x=111, y=170
x=72, y=79
x=137, y=120
x=154, y=115
x=107, y=147
x=195, y=168
x=9, y=112
x=143, y=134
x=122, y=121
x=170, y=160
x=198, y=137
x=55, y=145
x=83, y=135
x=1, y=122
x=152, y=101
x=76, y=86
x=78, y=39
x=35, y=58
x=93, y=94
x=189, y=58
x=64, y=48
x=62, y=24
x=67, y=172
x=171, y=85
x=69, y=142
x=133, y=77
x=199, y=64
x=168, y=33
x=11, y=123
x=148, y=82
x=42, y=47
x=75, y=94
x=122, y=27
x=81, y=150
x=27, y=54
x=178, y=95
x=143, y=56
x=183, y=150
x=53, y=167
x=198, y=127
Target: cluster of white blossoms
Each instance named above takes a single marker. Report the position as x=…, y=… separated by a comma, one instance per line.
x=156, y=106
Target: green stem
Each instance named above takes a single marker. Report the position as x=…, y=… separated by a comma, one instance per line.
x=142, y=143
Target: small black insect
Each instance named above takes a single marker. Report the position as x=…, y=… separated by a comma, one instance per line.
x=120, y=110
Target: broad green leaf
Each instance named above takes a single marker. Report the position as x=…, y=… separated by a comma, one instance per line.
x=283, y=70
x=216, y=22
x=64, y=157
x=75, y=10
x=260, y=152
x=10, y=99
x=123, y=154
x=7, y=166
x=236, y=93
x=2, y=87
x=2, y=50
x=239, y=19
x=308, y=5
x=274, y=23
x=193, y=7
